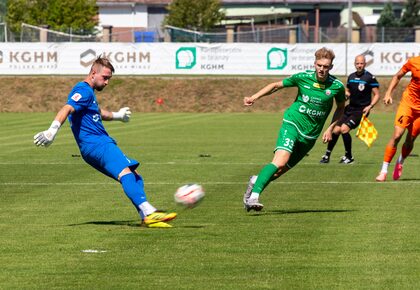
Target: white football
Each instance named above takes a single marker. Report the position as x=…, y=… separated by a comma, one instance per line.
x=189, y=195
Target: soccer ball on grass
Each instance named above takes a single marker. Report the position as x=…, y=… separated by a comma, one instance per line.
x=189, y=195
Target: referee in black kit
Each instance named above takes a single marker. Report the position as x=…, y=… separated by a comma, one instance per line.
x=360, y=86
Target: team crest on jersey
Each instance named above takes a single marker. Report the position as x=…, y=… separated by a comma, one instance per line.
x=305, y=98
x=76, y=97
x=328, y=92
x=361, y=87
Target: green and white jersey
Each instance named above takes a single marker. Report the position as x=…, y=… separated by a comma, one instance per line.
x=313, y=103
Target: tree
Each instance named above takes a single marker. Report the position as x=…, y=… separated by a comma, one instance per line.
x=79, y=15
x=411, y=16
x=194, y=14
x=387, y=18
x=2, y=10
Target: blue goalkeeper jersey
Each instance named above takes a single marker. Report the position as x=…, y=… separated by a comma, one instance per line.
x=86, y=121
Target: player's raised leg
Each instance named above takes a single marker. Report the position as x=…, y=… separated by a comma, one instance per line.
x=133, y=187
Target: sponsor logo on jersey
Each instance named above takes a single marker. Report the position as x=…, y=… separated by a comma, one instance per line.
x=76, y=97
x=316, y=101
x=318, y=86
x=305, y=98
x=311, y=112
x=96, y=117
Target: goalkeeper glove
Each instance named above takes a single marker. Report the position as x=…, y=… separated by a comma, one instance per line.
x=122, y=115
x=45, y=138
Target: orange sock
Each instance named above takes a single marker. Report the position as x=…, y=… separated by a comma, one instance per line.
x=389, y=153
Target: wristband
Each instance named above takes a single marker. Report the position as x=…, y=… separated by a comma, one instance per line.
x=115, y=116
x=55, y=125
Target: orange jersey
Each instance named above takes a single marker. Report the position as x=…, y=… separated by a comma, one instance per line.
x=411, y=95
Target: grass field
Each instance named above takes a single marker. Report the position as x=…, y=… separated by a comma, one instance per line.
x=323, y=226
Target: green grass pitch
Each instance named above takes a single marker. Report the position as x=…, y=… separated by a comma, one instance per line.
x=323, y=226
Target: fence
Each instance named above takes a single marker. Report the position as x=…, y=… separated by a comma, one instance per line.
x=299, y=34
x=31, y=33
x=242, y=34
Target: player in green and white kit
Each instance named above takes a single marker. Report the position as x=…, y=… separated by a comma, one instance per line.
x=302, y=123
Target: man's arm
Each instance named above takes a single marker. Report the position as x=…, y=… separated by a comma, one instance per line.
x=374, y=100
x=393, y=84
x=122, y=115
x=347, y=93
x=339, y=111
x=45, y=138
x=267, y=90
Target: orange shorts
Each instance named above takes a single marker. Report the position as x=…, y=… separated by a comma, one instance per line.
x=408, y=118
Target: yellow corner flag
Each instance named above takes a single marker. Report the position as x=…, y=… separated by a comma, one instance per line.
x=366, y=131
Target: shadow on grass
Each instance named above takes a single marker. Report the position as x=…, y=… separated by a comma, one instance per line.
x=191, y=227
x=132, y=223
x=302, y=211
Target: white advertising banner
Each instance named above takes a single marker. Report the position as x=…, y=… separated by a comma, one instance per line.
x=197, y=58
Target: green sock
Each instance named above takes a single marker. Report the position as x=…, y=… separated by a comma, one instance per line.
x=264, y=177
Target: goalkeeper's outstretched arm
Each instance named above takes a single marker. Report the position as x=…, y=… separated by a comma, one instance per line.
x=122, y=115
x=45, y=138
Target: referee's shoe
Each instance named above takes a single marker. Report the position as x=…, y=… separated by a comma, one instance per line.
x=346, y=160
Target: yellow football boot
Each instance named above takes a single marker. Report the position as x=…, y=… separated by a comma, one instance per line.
x=159, y=217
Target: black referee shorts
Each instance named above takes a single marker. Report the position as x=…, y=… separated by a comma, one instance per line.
x=351, y=117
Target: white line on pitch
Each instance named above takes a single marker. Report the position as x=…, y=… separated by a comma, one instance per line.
x=206, y=183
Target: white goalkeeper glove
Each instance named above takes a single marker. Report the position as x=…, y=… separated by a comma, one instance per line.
x=45, y=138
x=122, y=115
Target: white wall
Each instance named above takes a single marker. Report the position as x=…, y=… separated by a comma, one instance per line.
x=123, y=15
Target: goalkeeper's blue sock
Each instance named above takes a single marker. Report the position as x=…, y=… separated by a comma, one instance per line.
x=134, y=189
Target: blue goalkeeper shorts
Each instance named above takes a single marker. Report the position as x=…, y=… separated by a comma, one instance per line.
x=109, y=159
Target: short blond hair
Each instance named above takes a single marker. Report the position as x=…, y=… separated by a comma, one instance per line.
x=101, y=62
x=324, y=53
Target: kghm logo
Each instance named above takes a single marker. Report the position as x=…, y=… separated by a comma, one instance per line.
x=87, y=57
x=185, y=58
x=369, y=55
x=118, y=57
x=276, y=58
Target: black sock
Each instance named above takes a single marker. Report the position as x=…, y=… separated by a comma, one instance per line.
x=347, y=144
x=331, y=144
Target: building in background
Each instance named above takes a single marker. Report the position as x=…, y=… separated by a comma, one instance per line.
x=318, y=20
x=133, y=20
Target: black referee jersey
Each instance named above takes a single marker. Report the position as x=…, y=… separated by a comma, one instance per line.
x=360, y=88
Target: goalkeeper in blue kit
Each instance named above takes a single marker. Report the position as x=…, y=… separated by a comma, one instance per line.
x=97, y=148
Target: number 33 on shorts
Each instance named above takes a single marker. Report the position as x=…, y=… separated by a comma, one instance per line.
x=288, y=143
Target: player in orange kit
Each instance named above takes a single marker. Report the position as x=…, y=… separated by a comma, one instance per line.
x=407, y=117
